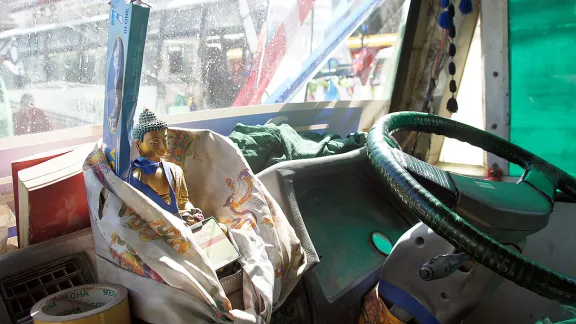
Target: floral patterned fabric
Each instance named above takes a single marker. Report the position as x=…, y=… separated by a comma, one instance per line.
x=142, y=243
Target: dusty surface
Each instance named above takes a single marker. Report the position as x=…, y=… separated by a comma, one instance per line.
x=7, y=220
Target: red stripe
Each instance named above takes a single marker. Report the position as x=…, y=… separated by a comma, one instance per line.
x=213, y=240
x=304, y=7
x=247, y=91
x=251, y=93
x=272, y=58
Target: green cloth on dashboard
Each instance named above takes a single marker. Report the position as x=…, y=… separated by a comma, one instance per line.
x=263, y=146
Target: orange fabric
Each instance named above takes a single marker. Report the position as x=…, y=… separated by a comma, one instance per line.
x=374, y=311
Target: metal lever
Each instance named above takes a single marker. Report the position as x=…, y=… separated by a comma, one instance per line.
x=442, y=266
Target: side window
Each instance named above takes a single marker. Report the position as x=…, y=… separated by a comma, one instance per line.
x=87, y=69
x=376, y=76
x=198, y=55
x=175, y=60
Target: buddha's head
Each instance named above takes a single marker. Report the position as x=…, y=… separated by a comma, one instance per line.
x=149, y=136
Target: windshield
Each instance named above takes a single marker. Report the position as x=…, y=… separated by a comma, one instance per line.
x=198, y=55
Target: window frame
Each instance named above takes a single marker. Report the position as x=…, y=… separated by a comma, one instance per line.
x=496, y=75
x=14, y=148
x=18, y=147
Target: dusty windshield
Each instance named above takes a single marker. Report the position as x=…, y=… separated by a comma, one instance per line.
x=198, y=55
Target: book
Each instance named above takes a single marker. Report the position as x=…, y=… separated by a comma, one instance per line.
x=52, y=198
x=215, y=243
x=127, y=26
x=31, y=161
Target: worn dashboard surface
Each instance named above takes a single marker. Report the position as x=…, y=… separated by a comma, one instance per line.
x=339, y=202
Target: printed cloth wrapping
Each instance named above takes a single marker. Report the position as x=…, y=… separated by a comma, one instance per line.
x=153, y=254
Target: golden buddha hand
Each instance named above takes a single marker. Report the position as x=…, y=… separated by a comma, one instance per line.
x=192, y=216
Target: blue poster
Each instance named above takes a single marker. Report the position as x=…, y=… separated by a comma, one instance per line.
x=127, y=28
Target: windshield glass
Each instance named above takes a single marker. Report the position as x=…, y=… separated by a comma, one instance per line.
x=198, y=55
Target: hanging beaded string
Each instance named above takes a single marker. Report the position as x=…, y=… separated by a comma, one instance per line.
x=446, y=21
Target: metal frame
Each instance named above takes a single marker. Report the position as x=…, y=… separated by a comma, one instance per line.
x=413, y=31
x=496, y=87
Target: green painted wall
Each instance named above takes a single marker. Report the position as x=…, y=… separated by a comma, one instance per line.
x=542, y=43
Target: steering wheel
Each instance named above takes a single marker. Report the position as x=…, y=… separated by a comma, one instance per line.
x=386, y=157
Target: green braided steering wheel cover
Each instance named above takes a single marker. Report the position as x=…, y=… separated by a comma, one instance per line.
x=449, y=225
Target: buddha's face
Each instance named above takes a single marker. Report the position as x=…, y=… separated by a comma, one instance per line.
x=153, y=145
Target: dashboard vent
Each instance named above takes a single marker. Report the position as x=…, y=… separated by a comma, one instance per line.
x=21, y=291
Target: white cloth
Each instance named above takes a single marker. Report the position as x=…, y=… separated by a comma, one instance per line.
x=169, y=276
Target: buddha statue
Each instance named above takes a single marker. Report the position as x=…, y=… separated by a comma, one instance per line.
x=161, y=181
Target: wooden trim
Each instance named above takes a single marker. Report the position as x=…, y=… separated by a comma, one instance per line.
x=415, y=47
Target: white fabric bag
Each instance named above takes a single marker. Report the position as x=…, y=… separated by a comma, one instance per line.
x=151, y=252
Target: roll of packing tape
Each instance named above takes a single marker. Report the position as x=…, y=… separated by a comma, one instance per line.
x=86, y=304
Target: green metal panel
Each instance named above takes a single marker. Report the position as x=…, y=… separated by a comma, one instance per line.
x=542, y=44
x=341, y=211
